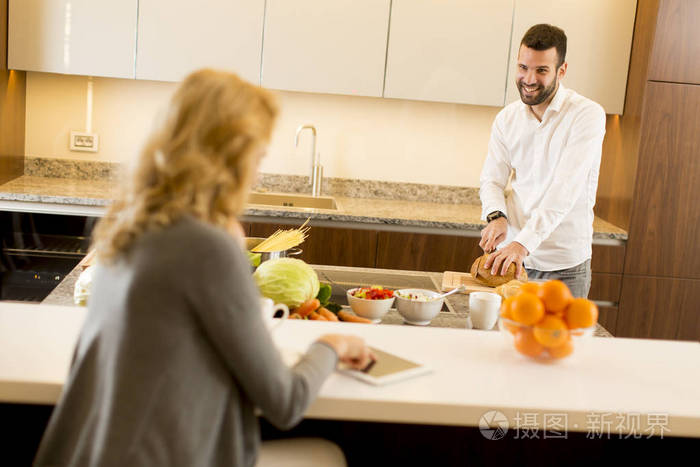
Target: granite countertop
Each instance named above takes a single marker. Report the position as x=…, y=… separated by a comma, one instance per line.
x=458, y=304
x=404, y=213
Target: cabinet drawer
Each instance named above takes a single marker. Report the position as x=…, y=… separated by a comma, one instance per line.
x=425, y=252
x=605, y=287
x=330, y=246
x=608, y=258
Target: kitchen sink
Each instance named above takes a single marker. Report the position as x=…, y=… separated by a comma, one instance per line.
x=293, y=200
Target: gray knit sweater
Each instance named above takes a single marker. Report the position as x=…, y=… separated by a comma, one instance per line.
x=173, y=358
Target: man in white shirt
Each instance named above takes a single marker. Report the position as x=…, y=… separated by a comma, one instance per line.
x=551, y=140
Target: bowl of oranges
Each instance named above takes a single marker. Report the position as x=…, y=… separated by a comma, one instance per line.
x=544, y=321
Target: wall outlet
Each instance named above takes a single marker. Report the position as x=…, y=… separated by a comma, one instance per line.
x=80, y=141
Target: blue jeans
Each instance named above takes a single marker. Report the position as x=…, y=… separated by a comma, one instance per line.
x=577, y=278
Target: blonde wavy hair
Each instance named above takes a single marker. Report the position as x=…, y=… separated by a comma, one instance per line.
x=202, y=161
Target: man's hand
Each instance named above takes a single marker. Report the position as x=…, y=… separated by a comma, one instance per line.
x=499, y=261
x=493, y=234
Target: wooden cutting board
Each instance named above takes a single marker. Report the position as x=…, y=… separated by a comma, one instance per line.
x=452, y=280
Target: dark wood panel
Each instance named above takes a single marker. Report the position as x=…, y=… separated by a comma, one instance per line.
x=676, y=53
x=423, y=252
x=330, y=246
x=608, y=258
x=607, y=317
x=605, y=287
x=663, y=237
x=246, y=228
x=618, y=166
x=12, y=110
x=653, y=307
x=3, y=34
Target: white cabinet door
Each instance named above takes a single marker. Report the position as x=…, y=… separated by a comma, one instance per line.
x=449, y=51
x=599, y=40
x=336, y=47
x=180, y=36
x=78, y=37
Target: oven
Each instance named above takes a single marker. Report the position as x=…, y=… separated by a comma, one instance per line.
x=38, y=251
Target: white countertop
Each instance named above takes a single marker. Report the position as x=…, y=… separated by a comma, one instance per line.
x=653, y=381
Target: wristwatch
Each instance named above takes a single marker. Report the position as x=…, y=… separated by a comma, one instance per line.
x=495, y=215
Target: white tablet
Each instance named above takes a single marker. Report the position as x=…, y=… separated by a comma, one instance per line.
x=388, y=368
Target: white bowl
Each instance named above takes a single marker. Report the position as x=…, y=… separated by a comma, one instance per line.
x=370, y=309
x=415, y=311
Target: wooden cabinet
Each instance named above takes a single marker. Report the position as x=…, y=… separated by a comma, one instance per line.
x=676, y=52
x=665, y=226
x=605, y=287
x=424, y=252
x=449, y=51
x=608, y=258
x=78, y=37
x=176, y=37
x=336, y=47
x=599, y=38
x=656, y=307
x=330, y=246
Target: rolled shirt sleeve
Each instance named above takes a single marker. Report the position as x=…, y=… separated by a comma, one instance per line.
x=494, y=174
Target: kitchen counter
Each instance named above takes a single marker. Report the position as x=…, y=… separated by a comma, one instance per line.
x=344, y=278
x=90, y=197
x=629, y=386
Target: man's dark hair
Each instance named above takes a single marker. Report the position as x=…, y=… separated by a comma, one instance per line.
x=546, y=36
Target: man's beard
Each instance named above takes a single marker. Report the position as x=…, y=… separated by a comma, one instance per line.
x=537, y=98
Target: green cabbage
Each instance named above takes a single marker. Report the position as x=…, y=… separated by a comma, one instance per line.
x=287, y=280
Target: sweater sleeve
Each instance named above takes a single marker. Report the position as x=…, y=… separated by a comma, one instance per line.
x=227, y=304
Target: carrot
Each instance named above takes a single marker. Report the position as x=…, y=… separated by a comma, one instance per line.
x=295, y=316
x=307, y=307
x=345, y=316
x=329, y=315
x=316, y=317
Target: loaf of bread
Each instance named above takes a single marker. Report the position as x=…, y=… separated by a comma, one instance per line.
x=484, y=276
x=509, y=289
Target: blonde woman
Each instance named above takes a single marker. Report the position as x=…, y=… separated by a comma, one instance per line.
x=174, y=355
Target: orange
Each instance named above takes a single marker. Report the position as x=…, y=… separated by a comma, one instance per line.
x=551, y=331
x=555, y=295
x=506, y=307
x=564, y=350
x=526, y=308
x=532, y=287
x=581, y=313
x=526, y=344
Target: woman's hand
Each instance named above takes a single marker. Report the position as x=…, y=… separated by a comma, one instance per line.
x=351, y=350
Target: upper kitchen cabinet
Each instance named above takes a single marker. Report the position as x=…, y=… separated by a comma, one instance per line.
x=79, y=37
x=449, y=51
x=180, y=36
x=676, y=53
x=335, y=47
x=599, y=36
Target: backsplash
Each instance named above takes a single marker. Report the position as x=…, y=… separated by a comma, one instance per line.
x=373, y=189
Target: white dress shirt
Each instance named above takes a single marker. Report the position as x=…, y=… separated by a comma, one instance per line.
x=556, y=164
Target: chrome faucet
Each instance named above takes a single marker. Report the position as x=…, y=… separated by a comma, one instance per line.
x=316, y=177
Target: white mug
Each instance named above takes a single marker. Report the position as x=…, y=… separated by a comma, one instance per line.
x=269, y=308
x=483, y=309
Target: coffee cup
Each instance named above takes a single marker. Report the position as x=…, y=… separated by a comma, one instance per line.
x=483, y=309
x=269, y=309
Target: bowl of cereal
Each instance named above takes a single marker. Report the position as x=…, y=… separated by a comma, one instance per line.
x=418, y=306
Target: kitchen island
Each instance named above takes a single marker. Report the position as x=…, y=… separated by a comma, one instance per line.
x=479, y=391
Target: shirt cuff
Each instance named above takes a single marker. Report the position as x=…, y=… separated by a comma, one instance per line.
x=528, y=239
x=489, y=209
